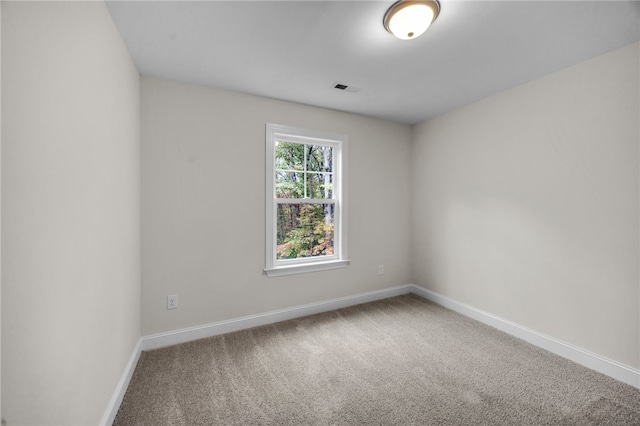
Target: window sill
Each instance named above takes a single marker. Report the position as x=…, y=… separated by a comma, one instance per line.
x=305, y=268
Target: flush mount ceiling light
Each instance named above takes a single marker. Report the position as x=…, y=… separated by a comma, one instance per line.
x=408, y=19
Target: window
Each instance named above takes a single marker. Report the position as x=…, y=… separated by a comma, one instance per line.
x=306, y=211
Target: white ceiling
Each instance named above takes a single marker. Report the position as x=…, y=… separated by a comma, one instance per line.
x=297, y=50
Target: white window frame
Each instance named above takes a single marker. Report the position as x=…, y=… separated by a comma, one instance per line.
x=278, y=267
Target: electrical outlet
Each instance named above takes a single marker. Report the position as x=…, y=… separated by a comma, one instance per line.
x=380, y=269
x=172, y=301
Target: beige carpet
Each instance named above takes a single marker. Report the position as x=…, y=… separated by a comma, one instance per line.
x=399, y=361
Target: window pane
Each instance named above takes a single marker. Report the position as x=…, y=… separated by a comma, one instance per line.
x=319, y=158
x=304, y=230
x=319, y=185
x=289, y=185
x=289, y=156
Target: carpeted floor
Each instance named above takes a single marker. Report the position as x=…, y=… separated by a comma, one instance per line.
x=399, y=361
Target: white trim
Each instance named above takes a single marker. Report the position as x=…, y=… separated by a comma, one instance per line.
x=583, y=357
x=611, y=368
x=175, y=337
x=305, y=267
x=118, y=395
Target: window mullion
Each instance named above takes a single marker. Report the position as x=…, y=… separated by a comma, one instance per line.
x=305, y=201
x=304, y=170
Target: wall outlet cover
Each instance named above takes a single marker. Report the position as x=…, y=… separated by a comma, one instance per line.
x=172, y=301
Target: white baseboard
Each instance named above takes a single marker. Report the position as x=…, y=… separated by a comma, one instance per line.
x=208, y=330
x=578, y=355
x=118, y=395
x=588, y=359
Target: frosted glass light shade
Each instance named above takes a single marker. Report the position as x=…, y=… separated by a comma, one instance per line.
x=408, y=19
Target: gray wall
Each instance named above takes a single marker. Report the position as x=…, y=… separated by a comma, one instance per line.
x=203, y=204
x=70, y=211
x=526, y=205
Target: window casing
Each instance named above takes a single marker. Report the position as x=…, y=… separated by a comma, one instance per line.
x=306, y=209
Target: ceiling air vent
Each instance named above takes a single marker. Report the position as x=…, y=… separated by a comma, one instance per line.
x=346, y=87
